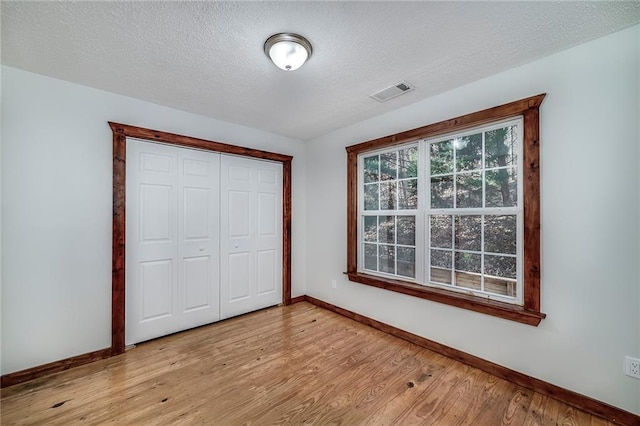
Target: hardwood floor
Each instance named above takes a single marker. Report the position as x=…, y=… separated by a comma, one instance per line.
x=298, y=364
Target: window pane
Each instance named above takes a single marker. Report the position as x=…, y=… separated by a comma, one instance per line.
x=500, y=266
x=468, y=280
x=441, y=158
x=371, y=257
x=502, y=187
x=469, y=190
x=407, y=261
x=387, y=229
x=388, y=167
x=468, y=262
x=440, y=271
x=408, y=163
x=387, y=259
x=440, y=231
x=408, y=194
x=501, y=147
x=468, y=267
x=500, y=286
x=500, y=234
x=371, y=169
x=371, y=196
x=469, y=233
x=442, y=192
x=468, y=152
x=407, y=230
x=370, y=228
x=388, y=196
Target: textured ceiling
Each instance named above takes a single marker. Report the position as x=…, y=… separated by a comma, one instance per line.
x=207, y=57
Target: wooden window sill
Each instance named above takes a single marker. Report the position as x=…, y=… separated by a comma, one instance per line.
x=473, y=303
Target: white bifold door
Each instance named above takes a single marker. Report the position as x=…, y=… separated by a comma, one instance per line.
x=192, y=251
x=251, y=235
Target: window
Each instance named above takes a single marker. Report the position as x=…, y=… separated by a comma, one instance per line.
x=450, y=212
x=389, y=206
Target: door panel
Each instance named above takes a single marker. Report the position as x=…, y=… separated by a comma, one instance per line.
x=266, y=215
x=251, y=235
x=239, y=221
x=196, y=213
x=172, y=258
x=196, y=283
x=267, y=266
x=156, y=287
x=239, y=276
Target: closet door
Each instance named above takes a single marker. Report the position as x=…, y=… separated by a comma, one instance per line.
x=172, y=234
x=251, y=235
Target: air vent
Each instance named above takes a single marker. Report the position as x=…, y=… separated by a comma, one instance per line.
x=393, y=91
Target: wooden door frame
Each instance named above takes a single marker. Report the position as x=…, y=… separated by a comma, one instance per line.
x=120, y=134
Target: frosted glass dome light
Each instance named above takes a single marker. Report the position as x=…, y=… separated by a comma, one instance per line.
x=288, y=51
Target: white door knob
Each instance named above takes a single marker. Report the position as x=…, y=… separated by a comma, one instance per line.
x=201, y=249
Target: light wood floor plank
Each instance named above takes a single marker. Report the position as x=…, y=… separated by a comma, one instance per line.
x=286, y=365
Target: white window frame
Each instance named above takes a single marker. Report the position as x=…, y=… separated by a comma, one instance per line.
x=422, y=213
x=419, y=247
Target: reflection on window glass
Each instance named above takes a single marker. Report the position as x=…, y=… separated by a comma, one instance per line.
x=407, y=230
x=370, y=233
x=501, y=187
x=440, y=271
x=442, y=192
x=371, y=169
x=408, y=163
x=500, y=234
x=468, y=262
x=388, y=196
x=441, y=158
x=371, y=257
x=371, y=196
x=440, y=231
x=388, y=166
x=500, y=266
x=408, y=194
x=387, y=229
x=468, y=152
x=501, y=147
x=407, y=261
x=469, y=190
x=468, y=232
x=387, y=258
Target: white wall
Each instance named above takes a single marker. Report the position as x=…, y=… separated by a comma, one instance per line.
x=590, y=229
x=56, y=213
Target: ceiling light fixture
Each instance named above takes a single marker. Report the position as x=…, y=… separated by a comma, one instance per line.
x=288, y=51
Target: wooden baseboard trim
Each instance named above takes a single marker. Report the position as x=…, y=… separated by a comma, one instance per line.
x=52, y=367
x=298, y=299
x=582, y=402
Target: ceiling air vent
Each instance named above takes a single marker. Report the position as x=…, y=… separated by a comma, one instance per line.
x=393, y=91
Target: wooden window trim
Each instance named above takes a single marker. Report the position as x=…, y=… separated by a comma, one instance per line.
x=120, y=134
x=530, y=312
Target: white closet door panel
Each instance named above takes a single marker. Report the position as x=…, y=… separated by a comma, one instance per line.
x=267, y=267
x=151, y=256
x=156, y=289
x=251, y=235
x=240, y=276
x=196, y=276
x=199, y=240
x=172, y=260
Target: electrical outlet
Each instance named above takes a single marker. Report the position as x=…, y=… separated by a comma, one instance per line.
x=632, y=367
x=334, y=284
